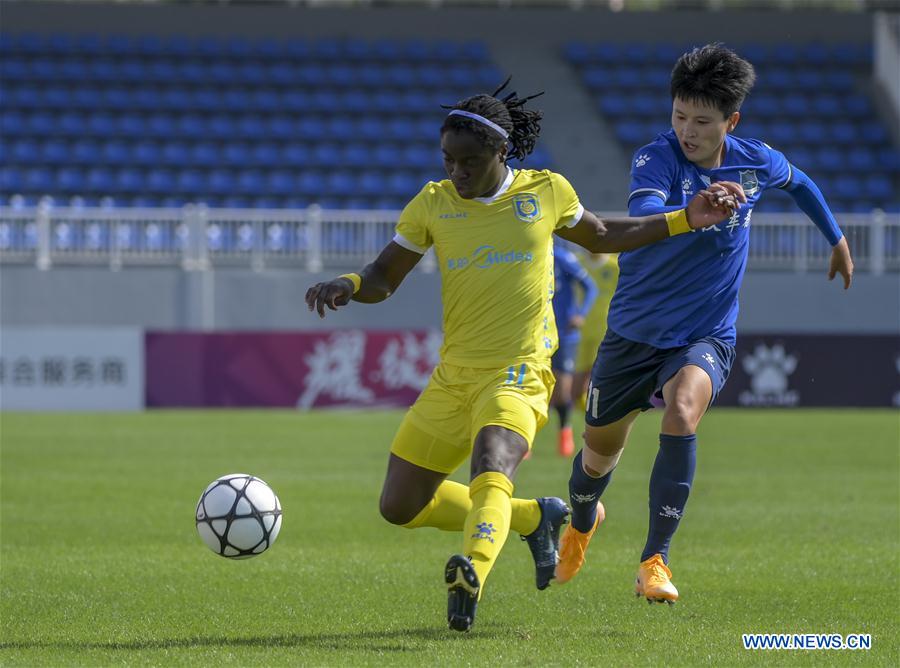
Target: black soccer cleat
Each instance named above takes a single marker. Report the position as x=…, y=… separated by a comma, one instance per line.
x=544, y=541
x=462, y=592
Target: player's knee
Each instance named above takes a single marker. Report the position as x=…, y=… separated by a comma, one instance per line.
x=683, y=414
x=396, y=509
x=602, y=444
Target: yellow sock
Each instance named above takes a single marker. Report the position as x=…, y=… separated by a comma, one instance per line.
x=451, y=504
x=447, y=511
x=526, y=515
x=487, y=524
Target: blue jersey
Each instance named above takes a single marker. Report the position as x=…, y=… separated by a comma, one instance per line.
x=568, y=272
x=686, y=287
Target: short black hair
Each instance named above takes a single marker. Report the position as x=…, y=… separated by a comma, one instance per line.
x=523, y=125
x=713, y=75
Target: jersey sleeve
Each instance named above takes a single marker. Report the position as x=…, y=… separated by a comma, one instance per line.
x=412, y=230
x=652, y=170
x=780, y=170
x=568, y=207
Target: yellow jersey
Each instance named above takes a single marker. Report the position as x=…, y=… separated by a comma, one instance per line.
x=496, y=261
x=605, y=275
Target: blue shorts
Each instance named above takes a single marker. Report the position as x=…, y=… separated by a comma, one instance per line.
x=564, y=358
x=627, y=375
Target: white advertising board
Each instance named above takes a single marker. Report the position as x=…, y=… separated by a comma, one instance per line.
x=71, y=369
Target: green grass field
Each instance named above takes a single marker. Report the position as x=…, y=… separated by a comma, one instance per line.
x=793, y=526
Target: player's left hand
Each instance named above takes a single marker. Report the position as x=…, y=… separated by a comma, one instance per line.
x=714, y=204
x=576, y=321
x=841, y=263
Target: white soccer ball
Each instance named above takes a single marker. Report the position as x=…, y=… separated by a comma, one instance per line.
x=238, y=516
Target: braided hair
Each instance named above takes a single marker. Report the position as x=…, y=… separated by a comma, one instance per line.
x=523, y=125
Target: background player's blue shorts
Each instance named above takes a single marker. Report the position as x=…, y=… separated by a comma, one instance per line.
x=564, y=357
x=627, y=374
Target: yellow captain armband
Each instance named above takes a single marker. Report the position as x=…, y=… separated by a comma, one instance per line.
x=356, y=279
x=677, y=222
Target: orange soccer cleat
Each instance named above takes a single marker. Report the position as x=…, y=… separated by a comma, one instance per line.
x=654, y=581
x=566, y=442
x=572, y=547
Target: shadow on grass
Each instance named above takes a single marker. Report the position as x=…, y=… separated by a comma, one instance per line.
x=364, y=640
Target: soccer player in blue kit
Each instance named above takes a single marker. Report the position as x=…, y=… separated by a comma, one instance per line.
x=569, y=311
x=672, y=317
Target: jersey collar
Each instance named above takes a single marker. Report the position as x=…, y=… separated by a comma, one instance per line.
x=507, y=182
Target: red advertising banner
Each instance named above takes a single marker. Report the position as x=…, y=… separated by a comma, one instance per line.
x=303, y=370
x=357, y=368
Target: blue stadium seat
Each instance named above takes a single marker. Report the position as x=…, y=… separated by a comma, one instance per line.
x=160, y=181
x=204, y=154
x=796, y=105
x=220, y=182
x=129, y=180
x=827, y=105
x=614, y=104
x=326, y=154
x=858, y=106
x=54, y=151
x=340, y=183
x=879, y=188
x=38, y=180
x=190, y=182
x=42, y=124
x=174, y=153
x=69, y=180
x=115, y=152
x=311, y=183
x=844, y=133
x=264, y=154
x=220, y=126
x=873, y=133
x=401, y=184
x=280, y=182
x=250, y=182
x=100, y=181
x=10, y=179
x=85, y=152
x=848, y=187
x=889, y=159
x=25, y=151
x=371, y=183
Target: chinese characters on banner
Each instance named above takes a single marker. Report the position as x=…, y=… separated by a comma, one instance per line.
x=71, y=368
x=342, y=368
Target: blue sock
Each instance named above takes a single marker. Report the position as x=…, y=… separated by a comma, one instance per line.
x=563, y=410
x=584, y=492
x=670, y=485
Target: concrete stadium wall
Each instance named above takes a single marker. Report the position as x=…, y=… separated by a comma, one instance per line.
x=170, y=299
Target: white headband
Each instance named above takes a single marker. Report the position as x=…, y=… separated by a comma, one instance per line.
x=481, y=119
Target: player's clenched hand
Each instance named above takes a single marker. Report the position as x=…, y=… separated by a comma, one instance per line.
x=841, y=263
x=331, y=294
x=714, y=204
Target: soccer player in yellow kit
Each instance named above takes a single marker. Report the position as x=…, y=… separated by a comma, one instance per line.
x=603, y=268
x=491, y=228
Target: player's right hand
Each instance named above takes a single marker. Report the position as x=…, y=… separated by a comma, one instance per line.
x=714, y=204
x=332, y=294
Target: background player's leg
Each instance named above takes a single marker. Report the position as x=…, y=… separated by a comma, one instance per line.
x=562, y=402
x=495, y=457
x=687, y=395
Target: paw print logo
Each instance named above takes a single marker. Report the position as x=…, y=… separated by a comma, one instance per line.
x=769, y=369
x=641, y=160
x=484, y=531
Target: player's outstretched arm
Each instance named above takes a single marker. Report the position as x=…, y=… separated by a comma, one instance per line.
x=614, y=235
x=375, y=283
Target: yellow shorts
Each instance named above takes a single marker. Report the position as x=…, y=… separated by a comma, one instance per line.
x=439, y=430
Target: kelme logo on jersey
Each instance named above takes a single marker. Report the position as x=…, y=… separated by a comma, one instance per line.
x=527, y=207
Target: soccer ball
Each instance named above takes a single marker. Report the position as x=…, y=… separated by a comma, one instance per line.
x=238, y=516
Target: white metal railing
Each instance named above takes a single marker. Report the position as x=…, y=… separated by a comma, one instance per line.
x=196, y=238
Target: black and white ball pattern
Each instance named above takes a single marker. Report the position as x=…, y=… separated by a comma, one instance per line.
x=238, y=516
